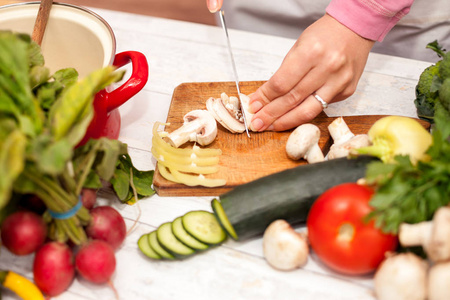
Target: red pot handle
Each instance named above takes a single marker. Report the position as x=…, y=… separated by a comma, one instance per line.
x=133, y=85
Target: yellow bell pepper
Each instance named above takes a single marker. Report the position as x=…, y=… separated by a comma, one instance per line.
x=20, y=285
x=397, y=135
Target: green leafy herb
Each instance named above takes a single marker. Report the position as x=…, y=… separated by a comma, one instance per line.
x=43, y=117
x=127, y=180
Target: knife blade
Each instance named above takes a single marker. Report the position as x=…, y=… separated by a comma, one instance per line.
x=233, y=64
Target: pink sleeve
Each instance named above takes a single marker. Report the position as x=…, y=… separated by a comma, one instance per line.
x=371, y=19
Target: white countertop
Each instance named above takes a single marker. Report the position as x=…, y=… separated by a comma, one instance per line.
x=179, y=52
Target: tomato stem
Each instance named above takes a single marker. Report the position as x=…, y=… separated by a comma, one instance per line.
x=346, y=232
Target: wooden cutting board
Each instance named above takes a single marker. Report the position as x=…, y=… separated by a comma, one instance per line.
x=243, y=159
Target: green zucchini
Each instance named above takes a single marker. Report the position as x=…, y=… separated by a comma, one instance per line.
x=144, y=246
x=204, y=226
x=248, y=209
x=223, y=220
x=181, y=234
x=168, y=241
x=156, y=246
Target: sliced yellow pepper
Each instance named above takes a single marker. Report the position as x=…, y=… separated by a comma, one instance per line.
x=20, y=285
x=186, y=166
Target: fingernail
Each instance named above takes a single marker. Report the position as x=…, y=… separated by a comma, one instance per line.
x=255, y=107
x=257, y=124
x=213, y=6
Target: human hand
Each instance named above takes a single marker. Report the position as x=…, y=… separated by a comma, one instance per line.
x=214, y=5
x=327, y=60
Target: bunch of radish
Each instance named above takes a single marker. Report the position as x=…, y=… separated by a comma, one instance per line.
x=56, y=263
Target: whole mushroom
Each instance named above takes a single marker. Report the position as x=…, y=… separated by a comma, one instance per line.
x=283, y=247
x=199, y=126
x=303, y=142
x=433, y=236
x=439, y=281
x=401, y=276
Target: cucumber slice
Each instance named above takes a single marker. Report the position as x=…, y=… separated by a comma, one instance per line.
x=154, y=244
x=145, y=248
x=167, y=240
x=181, y=234
x=223, y=219
x=204, y=226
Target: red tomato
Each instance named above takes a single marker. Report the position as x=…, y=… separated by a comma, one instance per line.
x=339, y=235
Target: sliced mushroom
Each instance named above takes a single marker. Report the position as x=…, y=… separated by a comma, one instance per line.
x=344, y=139
x=227, y=111
x=199, y=126
x=339, y=131
x=344, y=149
x=303, y=142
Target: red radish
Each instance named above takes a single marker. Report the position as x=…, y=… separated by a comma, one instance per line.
x=88, y=197
x=23, y=232
x=53, y=268
x=95, y=261
x=107, y=225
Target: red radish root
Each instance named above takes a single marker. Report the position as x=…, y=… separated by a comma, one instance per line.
x=88, y=197
x=23, y=232
x=54, y=268
x=95, y=261
x=107, y=225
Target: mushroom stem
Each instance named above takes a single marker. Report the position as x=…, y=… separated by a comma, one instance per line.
x=415, y=234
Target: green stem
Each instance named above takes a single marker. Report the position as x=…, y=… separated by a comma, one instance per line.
x=3, y=275
x=57, y=194
x=87, y=165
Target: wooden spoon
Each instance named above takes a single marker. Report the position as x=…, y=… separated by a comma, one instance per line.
x=41, y=21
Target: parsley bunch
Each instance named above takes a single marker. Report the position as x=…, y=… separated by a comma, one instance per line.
x=411, y=193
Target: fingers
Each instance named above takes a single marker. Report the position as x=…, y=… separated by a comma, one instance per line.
x=284, y=103
x=214, y=5
x=285, y=79
x=304, y=113
x=275, y=116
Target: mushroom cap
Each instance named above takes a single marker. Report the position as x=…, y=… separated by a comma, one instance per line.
x=301, y=140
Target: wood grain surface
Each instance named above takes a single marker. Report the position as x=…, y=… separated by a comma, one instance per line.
x=243, y=159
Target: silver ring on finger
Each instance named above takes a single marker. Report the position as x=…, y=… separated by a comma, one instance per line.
x=324, y=104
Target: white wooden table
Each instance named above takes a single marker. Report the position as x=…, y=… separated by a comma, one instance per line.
x=179, y=52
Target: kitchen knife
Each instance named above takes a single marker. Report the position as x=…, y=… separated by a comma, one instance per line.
x=233, y=64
